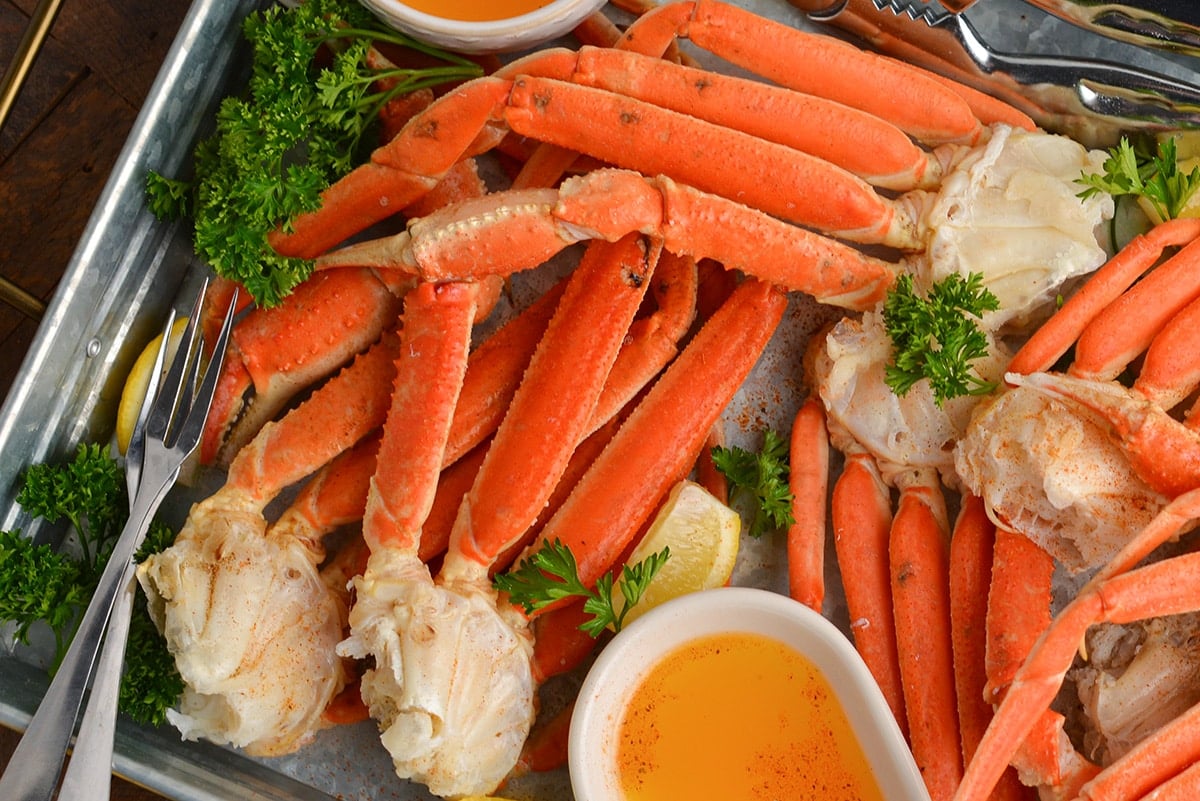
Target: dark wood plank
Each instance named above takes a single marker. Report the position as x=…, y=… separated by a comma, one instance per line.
x=124, y=41
x=65, y=133
x=48, y=189
x=52, y=74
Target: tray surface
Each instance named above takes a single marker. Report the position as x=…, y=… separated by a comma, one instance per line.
x=127, y=271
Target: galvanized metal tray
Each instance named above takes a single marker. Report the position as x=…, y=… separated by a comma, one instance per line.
x=127, y=271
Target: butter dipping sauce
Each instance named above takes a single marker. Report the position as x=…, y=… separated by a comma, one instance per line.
x=740, y=694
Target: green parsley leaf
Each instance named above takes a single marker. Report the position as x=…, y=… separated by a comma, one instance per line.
x=1131, y=170
x=551, y=574
x=760, y=480
x=295, y=130
x=938, y=337
x=43, y=584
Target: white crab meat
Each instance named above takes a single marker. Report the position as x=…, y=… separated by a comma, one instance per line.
x=1138, y=677
x=452, y=686
x=901, y=432
x=252, y=627
x=1010, y=211
x=1055, y=475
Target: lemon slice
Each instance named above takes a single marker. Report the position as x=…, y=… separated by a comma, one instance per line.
x=138, y=380
x=703, y=535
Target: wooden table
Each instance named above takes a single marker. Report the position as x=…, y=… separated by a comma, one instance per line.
x=56, y=150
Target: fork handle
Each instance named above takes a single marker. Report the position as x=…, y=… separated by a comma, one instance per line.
x=89, y=771
x=33, y=770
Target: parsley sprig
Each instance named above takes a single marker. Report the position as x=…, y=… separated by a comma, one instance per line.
x=551, y=574
x=40, y=583
x=294, y=131
x=938, y=337
x=1133, y=170
x=760, y=480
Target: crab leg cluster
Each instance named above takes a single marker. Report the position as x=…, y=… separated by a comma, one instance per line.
x=586, y=442
x=1110, y=324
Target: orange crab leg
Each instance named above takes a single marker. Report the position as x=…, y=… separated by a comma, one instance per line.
x=1169, y=752
x=534, y=224
x=1171, y=366
x=918, y=553
x=1163, y=588
x=472, y=119
x=494, y=371
x=861, y=513
x=652, y=341
x=1107, y=284
x=432, y=358
x=283, y=349
x=333, y=497
x=886, y=157
x=658, y=444
x=554, y=404
x=1018, y=611
x=1127, y=325
x=453, y=484
x=808, y=481
x=814, y=64
x=971, y=547
x=776, y=179
x=345, y=409
x=1018, y=607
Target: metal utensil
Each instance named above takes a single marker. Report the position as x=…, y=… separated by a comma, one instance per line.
x=171, y=432
x=1167, y=24
x=1091, y=98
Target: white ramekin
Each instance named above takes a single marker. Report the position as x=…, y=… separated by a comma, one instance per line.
x=506, y=35
x=593, y=743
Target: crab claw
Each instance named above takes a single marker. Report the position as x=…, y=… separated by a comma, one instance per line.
x=262, y=683
x=1164, y=452
x=452, y=688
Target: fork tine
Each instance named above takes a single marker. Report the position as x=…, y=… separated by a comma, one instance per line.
x=165, y=406
x=136, y=449
x=192, y=426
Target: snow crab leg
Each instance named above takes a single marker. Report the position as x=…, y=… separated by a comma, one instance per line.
x=261, y=681
x=1153, y=591
x=547, y=97
x=610, y=204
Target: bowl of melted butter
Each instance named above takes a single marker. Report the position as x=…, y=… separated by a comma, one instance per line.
x=736, y=693
x=484, y=26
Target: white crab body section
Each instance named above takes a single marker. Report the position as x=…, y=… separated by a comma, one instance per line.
x=1055, y=475
x=452, y=687
x=252, y=628
x=902, y=433
x=1010, y=211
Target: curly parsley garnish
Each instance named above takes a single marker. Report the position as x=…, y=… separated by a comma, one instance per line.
x=294, y=131
x=551, y=574
x=43, y=584
x=938, y=337
x=1131, y=170
x=760, y=480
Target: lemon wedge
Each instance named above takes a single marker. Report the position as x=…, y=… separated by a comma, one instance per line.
x=703, y=535
x=134, y=391
x=483, y=798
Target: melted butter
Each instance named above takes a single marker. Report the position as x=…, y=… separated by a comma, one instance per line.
x=476, y=10
x=740, y=717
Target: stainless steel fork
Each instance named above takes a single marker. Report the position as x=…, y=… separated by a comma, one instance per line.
x=171, y=431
